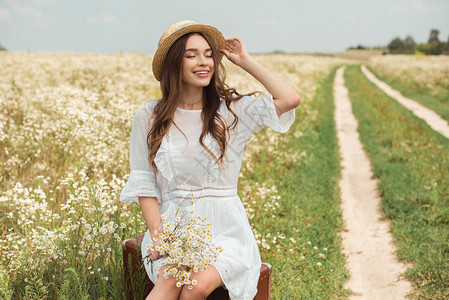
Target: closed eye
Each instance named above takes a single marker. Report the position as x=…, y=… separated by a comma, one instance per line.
x=190, y=53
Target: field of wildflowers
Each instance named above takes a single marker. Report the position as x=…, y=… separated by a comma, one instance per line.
x=65, y=121
x=427, y=72
x=421, y=78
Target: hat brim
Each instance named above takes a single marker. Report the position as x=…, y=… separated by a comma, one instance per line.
x=164, y=47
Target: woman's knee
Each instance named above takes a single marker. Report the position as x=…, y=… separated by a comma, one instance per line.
x=165, y=288
x=199, y=291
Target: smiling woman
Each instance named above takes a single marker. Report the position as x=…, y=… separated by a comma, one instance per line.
x=200, y=156
x=197, y=70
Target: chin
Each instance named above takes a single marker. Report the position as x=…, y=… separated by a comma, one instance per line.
x=202, y=83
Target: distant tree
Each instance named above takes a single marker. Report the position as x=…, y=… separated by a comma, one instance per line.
x=409, y=45
x=446, y=47
x=396, y=45
x=2, y=48
x=431, y=48
x=358, y=47
x=433, y=38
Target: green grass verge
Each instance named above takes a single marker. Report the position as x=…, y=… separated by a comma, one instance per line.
x=437, y=100
x=412, y=163
x=309, y=208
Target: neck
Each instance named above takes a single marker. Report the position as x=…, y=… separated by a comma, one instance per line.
x=191, y=98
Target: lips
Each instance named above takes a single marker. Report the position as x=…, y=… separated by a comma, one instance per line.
x=202, y=73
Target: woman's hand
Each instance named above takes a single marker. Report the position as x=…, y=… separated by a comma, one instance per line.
x=235, y=51
x=152, y=252
x=285, y=97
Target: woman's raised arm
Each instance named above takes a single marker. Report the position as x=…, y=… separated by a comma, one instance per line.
x=284, y=97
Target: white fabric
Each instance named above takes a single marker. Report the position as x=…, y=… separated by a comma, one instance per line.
x=186, y=168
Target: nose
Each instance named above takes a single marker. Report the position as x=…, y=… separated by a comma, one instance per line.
x=202, y=60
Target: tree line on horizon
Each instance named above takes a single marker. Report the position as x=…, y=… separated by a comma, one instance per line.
x=408, y=45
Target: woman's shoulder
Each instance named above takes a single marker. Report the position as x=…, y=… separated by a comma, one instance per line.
x=248, y=100
x=146, y=111
x=237, y=101
x=149, y=106
x=236, y=105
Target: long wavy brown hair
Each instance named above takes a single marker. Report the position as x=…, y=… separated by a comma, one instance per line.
x=171, y=83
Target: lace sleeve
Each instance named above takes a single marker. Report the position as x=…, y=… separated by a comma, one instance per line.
x=256, y=113
x=142, y=180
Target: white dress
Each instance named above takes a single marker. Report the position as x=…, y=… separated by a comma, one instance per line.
x=186, y=168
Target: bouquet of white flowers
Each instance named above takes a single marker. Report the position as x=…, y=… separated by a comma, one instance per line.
x=187, y=245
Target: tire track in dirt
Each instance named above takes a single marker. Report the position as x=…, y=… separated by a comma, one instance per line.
x=374, y=270
x=429, y=116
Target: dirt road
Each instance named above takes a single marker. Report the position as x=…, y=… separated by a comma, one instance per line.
x=375, y=271
x=433, y=119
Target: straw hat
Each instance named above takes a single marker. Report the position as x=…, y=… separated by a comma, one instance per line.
x=177, y=30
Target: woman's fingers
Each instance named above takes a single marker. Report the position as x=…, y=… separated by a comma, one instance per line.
x=225, y=52
x=233, y=40
x=235, y=50
x=157, y=255
x=154, y=255
x=232, y=44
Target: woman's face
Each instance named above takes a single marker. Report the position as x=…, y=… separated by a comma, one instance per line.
x=198, y=63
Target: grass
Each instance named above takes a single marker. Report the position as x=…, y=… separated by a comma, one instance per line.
x=79, y=269
x=309, y=209
x=412, y=163
x=435, y=99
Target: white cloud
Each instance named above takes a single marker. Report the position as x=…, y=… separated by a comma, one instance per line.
x=4, y=14
x=103, y=17
x=33, y=13
x=28, y=11
x=397, y=10
x=419, y=7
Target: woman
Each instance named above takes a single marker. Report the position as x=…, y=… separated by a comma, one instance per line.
x=191, y=142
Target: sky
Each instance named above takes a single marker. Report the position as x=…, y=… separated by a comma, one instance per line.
x=112, y=26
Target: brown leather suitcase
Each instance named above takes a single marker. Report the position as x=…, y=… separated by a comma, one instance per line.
x=138, y=285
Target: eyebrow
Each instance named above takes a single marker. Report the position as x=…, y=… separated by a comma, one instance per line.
x=196, y=50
